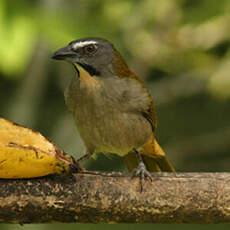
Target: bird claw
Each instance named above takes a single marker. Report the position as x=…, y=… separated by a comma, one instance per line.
x=143, y=173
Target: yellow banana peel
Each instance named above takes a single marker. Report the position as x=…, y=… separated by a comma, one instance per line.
x=25, y=153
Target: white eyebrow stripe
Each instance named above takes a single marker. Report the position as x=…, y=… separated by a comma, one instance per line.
x=82, y=44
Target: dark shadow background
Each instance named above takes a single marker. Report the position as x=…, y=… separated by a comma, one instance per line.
x=180, y=49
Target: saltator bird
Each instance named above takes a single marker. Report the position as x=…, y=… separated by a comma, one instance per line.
x=112, y=109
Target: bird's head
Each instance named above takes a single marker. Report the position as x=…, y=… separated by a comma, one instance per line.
x=95, y=55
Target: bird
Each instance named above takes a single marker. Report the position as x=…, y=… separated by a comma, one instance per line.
x=111, y=107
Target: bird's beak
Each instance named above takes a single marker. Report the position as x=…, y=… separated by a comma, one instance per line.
x=64, y=53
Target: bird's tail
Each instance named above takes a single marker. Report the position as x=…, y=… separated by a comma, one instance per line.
x=153, y=157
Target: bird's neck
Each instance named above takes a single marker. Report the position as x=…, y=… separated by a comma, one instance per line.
x=120, y=67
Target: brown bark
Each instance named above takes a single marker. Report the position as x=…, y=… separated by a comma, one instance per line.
x=113, y=197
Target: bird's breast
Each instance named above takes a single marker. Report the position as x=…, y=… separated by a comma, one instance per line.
x=103, y=121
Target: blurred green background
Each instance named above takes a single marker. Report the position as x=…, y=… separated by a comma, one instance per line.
x=179, y=48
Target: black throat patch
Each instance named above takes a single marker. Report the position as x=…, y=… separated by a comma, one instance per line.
x=78, y=74
x=92, y=71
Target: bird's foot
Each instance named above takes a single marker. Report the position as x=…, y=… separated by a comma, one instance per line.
x=75, y=166
x=143, y=173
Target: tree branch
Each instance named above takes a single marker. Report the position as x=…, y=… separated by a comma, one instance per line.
x=114, y=197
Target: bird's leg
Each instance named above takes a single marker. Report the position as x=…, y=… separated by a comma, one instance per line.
x=84, y=157
x=141, y=171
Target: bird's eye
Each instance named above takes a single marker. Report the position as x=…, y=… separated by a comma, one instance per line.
x=90, y=49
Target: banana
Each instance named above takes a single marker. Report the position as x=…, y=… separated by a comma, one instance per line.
x=25, y=153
